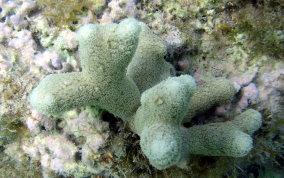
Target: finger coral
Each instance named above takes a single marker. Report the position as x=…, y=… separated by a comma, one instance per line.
x=158, y=119
x=105, y=53
x=231, y=138
x=123, y=72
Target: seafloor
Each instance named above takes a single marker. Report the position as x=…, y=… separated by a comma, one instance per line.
x=240, y=40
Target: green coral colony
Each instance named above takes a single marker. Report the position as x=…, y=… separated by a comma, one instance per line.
x=124, y=73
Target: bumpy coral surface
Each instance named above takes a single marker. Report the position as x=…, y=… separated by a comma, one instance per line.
x=235, y=64
x=102, y=81
x=106, y=51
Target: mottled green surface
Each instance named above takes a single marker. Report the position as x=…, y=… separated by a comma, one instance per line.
x=217, y=38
